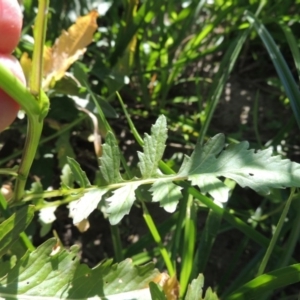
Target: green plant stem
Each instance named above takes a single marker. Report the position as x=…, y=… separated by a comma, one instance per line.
x=35, y=119
x=10, y=171
x=189, y=245
x=274, y=239
x=206, y=242
x=292, y=240
x=135, y=133
x=182, y=206
x=34, y=130
x=117, y=244
x=39, y=32
x=47, y=139
x=255, y=120
x=156, y=236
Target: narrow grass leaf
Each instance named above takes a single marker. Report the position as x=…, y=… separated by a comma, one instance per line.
x=167, y=194
x=206, y=241
x=144, y=15
x=290, y=37
x=119, y=204
x=79, y=175
x=220, y=79
x=189, y=242
x=268, y=282
x=236, y=222
x=154, y=146
x=283, y=71
x=110, y=160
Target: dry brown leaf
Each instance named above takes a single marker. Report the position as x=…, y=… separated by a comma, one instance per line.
x=6, y=191
x=26, y=63
x=83, y=226
x=169, y=284
x=171, y=288
x=68, y=48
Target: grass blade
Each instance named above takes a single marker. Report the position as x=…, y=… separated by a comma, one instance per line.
x=220, y=79
x=283, y=71
x=276, y=234
x=293, y=46
x=255, y=288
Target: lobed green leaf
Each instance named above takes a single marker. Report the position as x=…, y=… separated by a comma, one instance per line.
x=119, y=204
x=167, y=193
x=49, y=272
x=79, y=175
x=154, y=147
x=83, y=207
x=195, y=290
x=110, y=160
x=11, y=228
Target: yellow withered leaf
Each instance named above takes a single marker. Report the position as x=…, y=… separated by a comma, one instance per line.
x=68, y=48
x=170, y=285
x=26, y=63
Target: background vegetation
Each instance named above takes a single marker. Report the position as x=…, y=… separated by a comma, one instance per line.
x=209, y=67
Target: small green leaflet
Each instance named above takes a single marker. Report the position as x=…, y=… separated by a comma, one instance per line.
x=205, y=157
x=79, y=175
x=212, y=185
x=167, y=193
x=64, y=148
x=195, y=290
x=202, y=157
x=46, y=218
x=154, y=147
x=119, y=204
x=83, y=207
x=66, y=177
x=110, y=160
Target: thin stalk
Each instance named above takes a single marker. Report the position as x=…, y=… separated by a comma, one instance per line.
x=179, y=226
x=35, y=120
x=39, y=32
x=292, y=240
x=34, y=131
x=135, y=133
x=255, y=120
x=47, y=139
x=189, y=245
x=156, y=236
x=117, y=244
x=275, y=237
x=9, y=171
x=207, y=239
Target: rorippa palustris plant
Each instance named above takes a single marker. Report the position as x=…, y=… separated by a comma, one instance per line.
x=52, y=272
